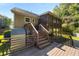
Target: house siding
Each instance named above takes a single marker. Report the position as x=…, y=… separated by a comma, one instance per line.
x=19, y=20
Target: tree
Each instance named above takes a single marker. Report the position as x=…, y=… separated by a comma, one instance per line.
x=69, y=13
x=7, y=22
x=61, y=10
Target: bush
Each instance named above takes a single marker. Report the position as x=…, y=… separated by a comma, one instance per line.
x=76, y=24
x=68, y=30
x=76, y=31
x=72, y=28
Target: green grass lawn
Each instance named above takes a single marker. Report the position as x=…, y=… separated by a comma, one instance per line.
x=73, y=37
x=67, y=36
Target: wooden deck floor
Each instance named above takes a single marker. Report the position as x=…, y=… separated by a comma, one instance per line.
x=33, y=51
x=51, y=50
x=63, y=51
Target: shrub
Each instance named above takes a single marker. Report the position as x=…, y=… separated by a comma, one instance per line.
x=68, y=30
x=76, y=31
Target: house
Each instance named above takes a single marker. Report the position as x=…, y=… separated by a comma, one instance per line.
x=37, y=26
x=22, y=16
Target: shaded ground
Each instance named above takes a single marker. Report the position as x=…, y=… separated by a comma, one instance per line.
x=33, y=51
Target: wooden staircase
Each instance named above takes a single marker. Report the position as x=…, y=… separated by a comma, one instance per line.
x=41, y=37
x=43, y=40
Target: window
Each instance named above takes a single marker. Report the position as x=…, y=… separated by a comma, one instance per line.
x=33, y=20
x=27, y=19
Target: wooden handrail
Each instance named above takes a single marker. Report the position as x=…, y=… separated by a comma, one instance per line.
x=44, y=28
x=36, y=33
x=34, y=28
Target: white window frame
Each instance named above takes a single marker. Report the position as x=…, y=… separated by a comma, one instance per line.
x=25, y=19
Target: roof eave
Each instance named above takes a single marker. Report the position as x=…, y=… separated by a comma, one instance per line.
x=22, y=13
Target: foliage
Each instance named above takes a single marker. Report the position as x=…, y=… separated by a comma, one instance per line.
x=77, y=30
x=67, y=9
x=67, y=30
x=69, y=13
x=7, y=22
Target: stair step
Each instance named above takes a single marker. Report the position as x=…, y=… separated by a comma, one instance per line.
x=41, y=33
x=42, y=39
x=44, y=45
x=42, y=36
x=42, y=42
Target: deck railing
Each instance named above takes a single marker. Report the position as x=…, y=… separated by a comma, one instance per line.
x=44, y=29
x=34, y=28
x=34, y=33
x=13, y=44
x=17, y=44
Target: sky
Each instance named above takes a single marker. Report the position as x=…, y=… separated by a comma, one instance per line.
x=38, y=8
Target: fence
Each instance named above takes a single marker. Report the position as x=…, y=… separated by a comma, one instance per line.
x=17, y=44
x=9, y=46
